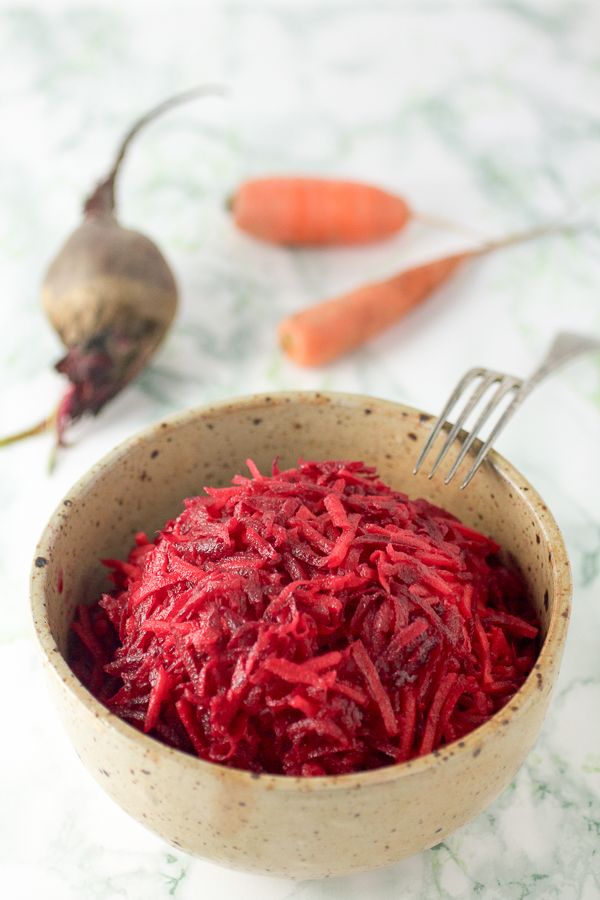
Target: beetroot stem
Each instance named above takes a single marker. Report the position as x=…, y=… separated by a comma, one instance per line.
x=102, y=199
x=57, y=422
x=52, y=456
x=40, y=428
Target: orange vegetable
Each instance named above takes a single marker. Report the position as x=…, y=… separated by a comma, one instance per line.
x=324, y=332
x=317, y=211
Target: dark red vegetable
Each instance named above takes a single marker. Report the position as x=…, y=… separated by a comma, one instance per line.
x=109, y=294
x=310, y=622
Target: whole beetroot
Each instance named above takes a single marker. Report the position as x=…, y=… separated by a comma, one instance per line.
x=109, y=294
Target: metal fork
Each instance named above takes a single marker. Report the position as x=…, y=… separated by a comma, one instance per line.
x=564, y=347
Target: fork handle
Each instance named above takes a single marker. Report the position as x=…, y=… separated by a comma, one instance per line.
x=564, y=347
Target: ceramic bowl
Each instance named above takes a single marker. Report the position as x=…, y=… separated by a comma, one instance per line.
x=300, y=827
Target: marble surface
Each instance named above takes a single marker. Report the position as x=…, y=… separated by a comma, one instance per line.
x=487, y=113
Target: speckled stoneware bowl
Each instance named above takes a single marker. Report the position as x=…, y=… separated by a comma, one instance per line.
x=302, y=827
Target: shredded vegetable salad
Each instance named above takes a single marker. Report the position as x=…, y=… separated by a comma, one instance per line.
x=308, y=622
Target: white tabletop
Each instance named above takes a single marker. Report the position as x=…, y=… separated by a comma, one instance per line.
x=486, y=113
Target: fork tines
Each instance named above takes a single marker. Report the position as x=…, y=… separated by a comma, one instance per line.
x=482, y=380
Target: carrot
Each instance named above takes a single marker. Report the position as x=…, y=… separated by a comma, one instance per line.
x=320, y=211
x=324, y=332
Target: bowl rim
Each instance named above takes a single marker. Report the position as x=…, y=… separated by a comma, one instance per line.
x=469, y=744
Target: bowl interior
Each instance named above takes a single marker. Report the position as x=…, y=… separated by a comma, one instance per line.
x=142, y=484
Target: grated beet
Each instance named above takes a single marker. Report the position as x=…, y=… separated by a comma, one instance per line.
x=311, y=622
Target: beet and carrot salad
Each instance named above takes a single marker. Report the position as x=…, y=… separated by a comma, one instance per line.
x=308, y=622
